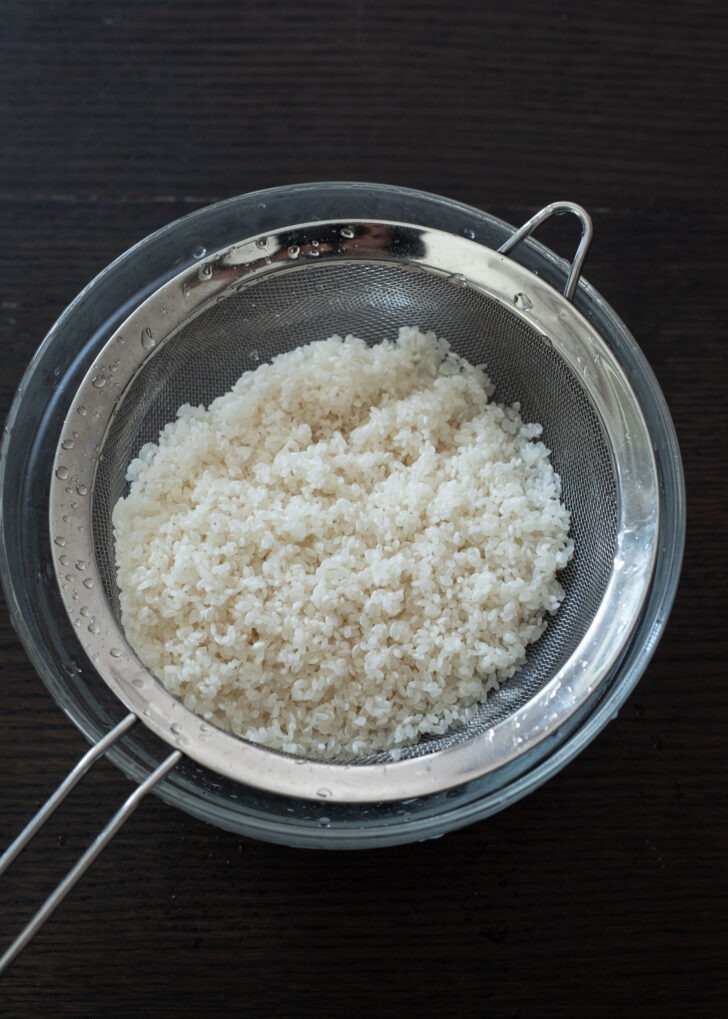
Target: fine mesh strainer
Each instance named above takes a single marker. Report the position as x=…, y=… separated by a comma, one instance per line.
x=250, y=289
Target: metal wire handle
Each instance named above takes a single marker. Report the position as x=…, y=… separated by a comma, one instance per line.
x=101, y=840
x=558, y=209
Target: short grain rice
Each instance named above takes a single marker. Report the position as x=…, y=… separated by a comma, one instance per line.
x=346, y=551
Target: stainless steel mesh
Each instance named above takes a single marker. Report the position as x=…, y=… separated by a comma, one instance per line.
x=372, y=300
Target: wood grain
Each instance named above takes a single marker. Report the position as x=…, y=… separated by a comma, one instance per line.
x=605, y=889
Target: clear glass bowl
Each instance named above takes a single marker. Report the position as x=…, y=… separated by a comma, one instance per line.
x=31, y=435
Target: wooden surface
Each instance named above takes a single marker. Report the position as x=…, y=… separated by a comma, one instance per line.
x=602, y=893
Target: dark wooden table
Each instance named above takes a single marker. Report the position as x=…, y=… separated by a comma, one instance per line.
x=603, y=893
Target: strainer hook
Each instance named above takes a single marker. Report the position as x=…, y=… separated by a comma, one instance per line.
x=558, y=209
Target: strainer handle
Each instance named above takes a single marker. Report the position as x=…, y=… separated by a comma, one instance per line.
x=558, y=209
x=101, y=840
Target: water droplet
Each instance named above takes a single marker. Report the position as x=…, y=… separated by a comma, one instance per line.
x=255, y=356
x=115, y=652
x=458, y=280
x=315, y=244
x=175, y=728
x=99, y=381
x=348, y=232
x=60, y=541
x=205, y=272
x=324, y=794
x=199, y=252
x=261, y=242
x=67, y=444
x=82, y=489
x=88, y=583
x=85, y=611
x=82, y=410
x=148, y=340
x=63, y=560
x=93, y=627
x=294, y=251
x=470, y=234
x=523, y=301
x=186, y=289
x=121, y=340
x=62, y=473
x=81, y=565
x=325, y=822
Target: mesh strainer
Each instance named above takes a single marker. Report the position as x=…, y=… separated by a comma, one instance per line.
x=249, y=289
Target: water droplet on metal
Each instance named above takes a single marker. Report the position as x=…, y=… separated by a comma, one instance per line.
x=82, y=489
x=261, y=242
x=81, y=410
x=348, y=232
x=186, y=289
x=294, y=251
x=60, y=541
x=199, y=252
x=523, y=301
x=148, y=340
x=324, y=794
x=315, y=244
x=115, y=652
x=85, y=610
x=63, y=560
x=175, y=728
x=93, y=627
x=62, y=473
x=99, y=381
x=88, y=583
x=205, y=272
x=67, y=444
x=325, y=822
x=470, y=234
x=81, y=565
x=458, y=280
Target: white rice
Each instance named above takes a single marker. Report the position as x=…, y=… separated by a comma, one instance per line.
x=346, y=551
